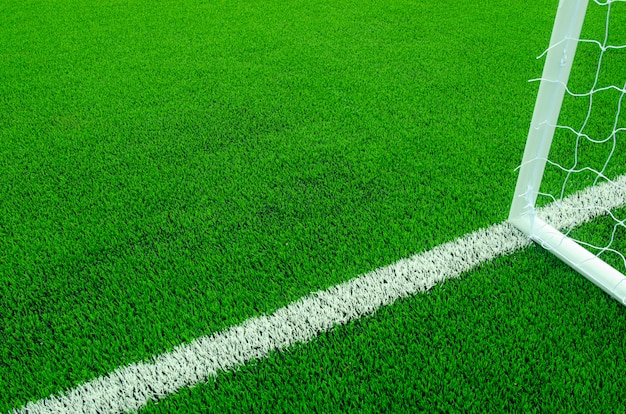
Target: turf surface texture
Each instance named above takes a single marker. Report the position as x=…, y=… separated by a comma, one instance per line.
x=170, y=169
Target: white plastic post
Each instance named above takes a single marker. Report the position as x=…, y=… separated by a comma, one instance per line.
x=563, y=42
x=567, y=25
x=580, y=259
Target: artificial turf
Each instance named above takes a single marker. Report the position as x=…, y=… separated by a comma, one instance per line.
x=169, y=169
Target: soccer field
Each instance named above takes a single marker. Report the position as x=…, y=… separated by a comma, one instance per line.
x=171, y=169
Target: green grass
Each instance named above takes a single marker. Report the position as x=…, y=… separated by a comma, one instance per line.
x=169, y=169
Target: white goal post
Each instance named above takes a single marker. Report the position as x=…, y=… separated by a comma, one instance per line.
x=560, y=56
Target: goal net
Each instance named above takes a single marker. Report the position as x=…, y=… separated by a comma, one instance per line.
x=574, y=165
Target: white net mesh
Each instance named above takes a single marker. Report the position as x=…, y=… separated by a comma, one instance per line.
x=589, y=145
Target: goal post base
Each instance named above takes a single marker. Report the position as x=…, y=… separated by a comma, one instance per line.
x=577, y=257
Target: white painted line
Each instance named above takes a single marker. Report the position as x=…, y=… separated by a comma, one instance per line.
x=131, y=387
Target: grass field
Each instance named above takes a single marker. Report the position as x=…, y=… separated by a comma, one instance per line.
x=170, y=169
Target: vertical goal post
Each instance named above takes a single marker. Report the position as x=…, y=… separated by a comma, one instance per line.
x=560, y=56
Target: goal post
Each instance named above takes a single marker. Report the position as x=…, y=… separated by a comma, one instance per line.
x=523, y=213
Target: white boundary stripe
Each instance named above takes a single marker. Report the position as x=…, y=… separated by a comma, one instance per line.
x=131, y=387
